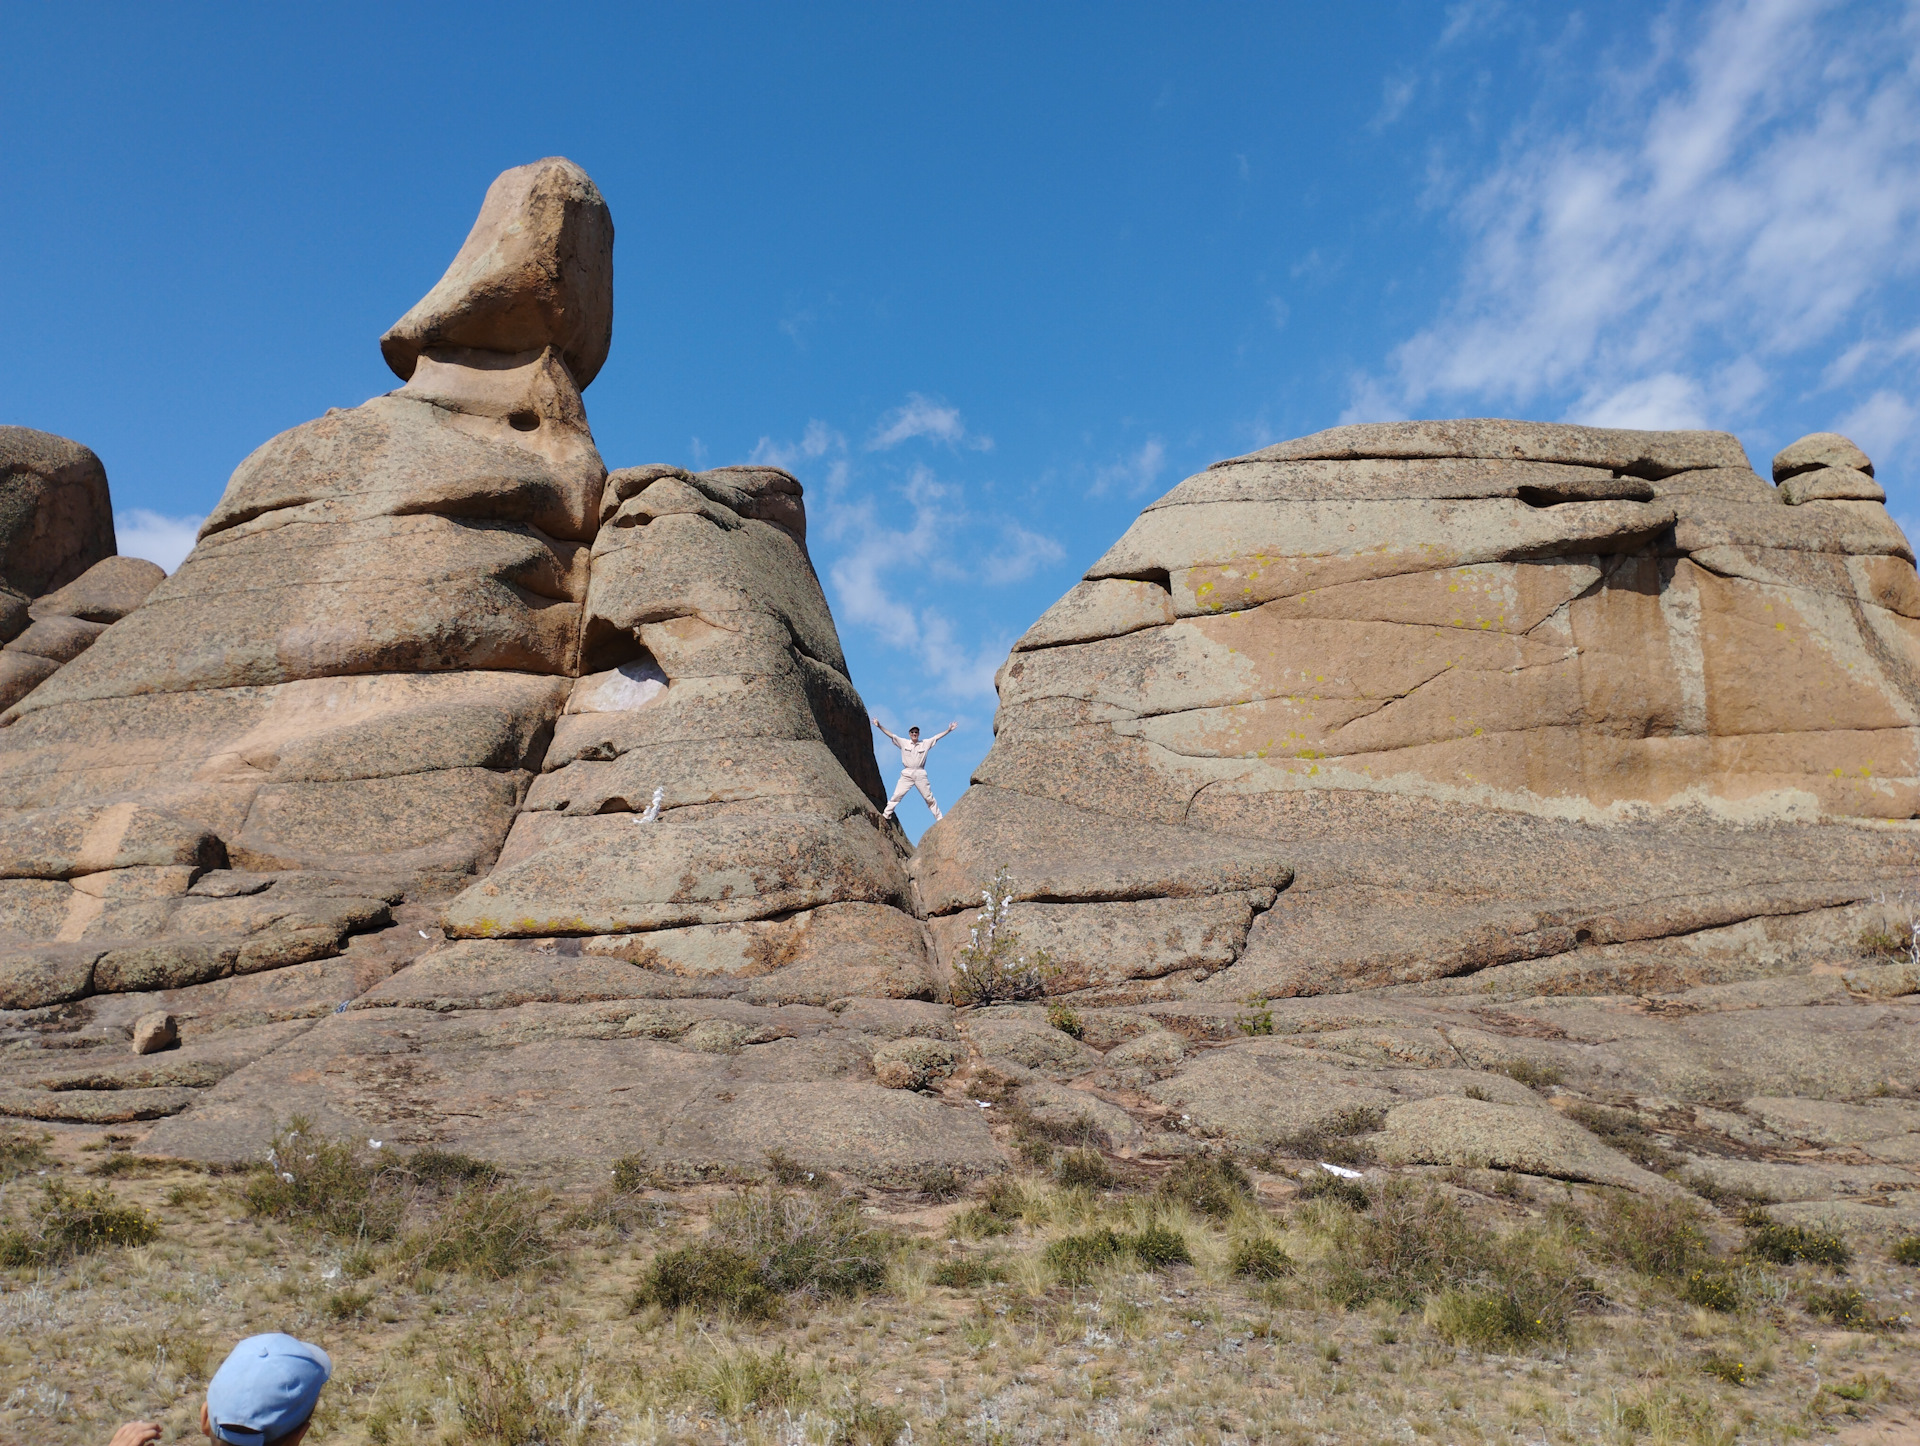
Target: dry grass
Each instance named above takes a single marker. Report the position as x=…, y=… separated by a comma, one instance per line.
x=1194, y=1311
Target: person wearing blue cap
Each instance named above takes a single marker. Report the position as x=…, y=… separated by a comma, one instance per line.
x=262, y=1395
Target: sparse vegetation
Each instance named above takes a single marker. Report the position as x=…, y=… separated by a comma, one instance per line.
x=1767, y=1239
x=1906, y=1251
x=1336, y=1141
x=1439, y=1308
x=22, y=1151
x=1624, y=1131
x=1532, y=1073
x=69, y=1221
x=764, y=1245
x=992, y=968
x=1257, y=1018
x=1212, y=1185
x=1065, y=1019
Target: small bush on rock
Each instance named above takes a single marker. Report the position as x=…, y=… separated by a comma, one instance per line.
x=992, y=968
x=1711, y=1287
x=21, y=1151
x=1325, y=1185
x=1907, y=1251
x=345, y=1190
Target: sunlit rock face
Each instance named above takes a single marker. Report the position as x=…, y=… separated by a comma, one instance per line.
x=439, y=717
x=1496, y=691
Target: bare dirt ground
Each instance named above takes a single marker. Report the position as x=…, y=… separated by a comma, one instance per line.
x=454, y=1337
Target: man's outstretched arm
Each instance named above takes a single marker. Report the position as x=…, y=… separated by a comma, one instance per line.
x=898, y=740
x=943, y=732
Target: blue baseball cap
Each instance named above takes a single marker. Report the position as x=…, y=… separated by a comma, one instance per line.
x=265, y=1389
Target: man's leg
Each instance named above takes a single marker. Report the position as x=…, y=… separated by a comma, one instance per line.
x=926, y=791
x=899, y=792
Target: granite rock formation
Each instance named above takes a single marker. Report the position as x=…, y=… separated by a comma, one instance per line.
x=60, y=581
x=1506, y=795
x=381, y=834
x=1595, y=725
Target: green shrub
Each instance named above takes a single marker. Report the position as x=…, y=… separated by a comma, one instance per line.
x=992, y=967
x=1485, y=1319
x=1258, y=1019
x=709, y=1277
x=967, y=1271
x=337, y=1188
x=348, y=1304
x=1262, y=1259
x=1157, y=1247
x=1712, y=1287
x=1842, y=1306
x=1325, y=1185
x=1076, y=1258
x=1767, y=1239
x=1722, y=1368
x=120, y=1165
x=763, y=1245
x=21, y=1151
x=1656, y=1237
x=1085, y=1169
x=632, y=1174
x=448, y=1170
x=489, y=1231
x=1066, y=1020
x=495, y=1395
x=1532, y=1073
x=69, y=1221
x=1413, y=1245
x=1907, y=1251
x=1208, y=1185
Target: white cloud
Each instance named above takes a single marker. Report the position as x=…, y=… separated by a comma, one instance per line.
x=1882, y=424
x=1019, y=554
x=1131, y=475
x=156, y=537
x=924, y=417
x=1739, y=199
x=862, y=594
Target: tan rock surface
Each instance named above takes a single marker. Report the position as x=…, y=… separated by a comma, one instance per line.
x=535, y=271
x=56, y=518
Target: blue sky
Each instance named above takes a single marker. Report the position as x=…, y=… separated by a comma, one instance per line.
x=987, y=278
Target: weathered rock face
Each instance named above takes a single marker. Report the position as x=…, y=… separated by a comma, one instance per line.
x=1579, y=756
x=60, y=584
x=427, y=647
x=1494, y=691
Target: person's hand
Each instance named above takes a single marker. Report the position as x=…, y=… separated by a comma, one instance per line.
x=135, y=1433
x=876, y=722
x=953, y=725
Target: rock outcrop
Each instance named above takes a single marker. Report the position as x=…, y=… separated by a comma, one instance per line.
x=60, y=582
x=1548, y=714
x=445, y=752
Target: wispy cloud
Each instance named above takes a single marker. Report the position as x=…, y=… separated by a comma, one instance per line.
x=1131, y=475
x=870, y=555
x=1019, y=554
x=924, y=417
x=1741, y=198
x=155, y=536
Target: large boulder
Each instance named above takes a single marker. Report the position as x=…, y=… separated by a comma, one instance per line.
x=56, y=518
x=1493, y=691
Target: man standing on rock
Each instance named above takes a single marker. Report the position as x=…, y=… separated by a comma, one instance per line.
x=913, y=765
